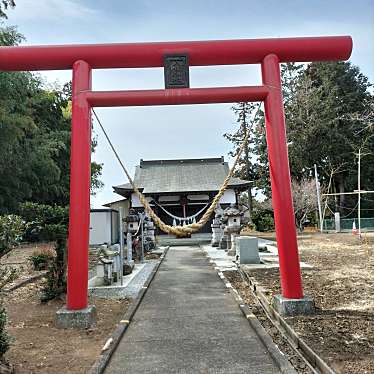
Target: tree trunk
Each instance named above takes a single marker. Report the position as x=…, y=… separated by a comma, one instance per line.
x=342, y=197
x=250, y=205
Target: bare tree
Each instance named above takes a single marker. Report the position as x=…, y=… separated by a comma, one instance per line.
x=304, y=201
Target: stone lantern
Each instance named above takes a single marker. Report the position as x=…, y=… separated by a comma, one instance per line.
x=232, y=219
x=149, y=234
x=131, y=227
x=131, y=222
x=149, y=228
x=217, y=227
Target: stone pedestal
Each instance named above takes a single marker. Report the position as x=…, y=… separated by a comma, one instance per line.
x=104, y=271
x=128, y=267
x=232, y=251
x=293, y=307
x=247, y=250
x=229, y=231
x=77, y=319
x=217, y=233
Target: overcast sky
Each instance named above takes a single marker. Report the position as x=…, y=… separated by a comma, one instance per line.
x=181, y=131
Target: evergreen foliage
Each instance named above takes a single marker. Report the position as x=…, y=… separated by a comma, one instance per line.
x=323, y=127
x=4, y=336
x=56, y=277
x=6, y=276
x=11, y=232
x=329, y=112
x=43, y=222
x=4, y=6
x=34, y=139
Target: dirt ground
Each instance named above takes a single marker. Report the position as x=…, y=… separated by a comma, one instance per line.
x=341, y=283
x=18, y=259
x=37, y=346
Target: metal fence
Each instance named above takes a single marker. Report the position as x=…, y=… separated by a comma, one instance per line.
x=346, y=224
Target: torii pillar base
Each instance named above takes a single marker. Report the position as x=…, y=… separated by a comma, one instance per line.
x=293, y=307
x=77, y=319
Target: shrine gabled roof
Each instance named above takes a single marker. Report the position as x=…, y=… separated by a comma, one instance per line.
x=185, y=175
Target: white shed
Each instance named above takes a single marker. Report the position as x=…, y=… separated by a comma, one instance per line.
x=104, y=226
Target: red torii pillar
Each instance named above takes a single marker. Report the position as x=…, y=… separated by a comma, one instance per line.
x=267, y=52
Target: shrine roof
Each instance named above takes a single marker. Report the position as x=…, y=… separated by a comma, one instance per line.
x=182, y=175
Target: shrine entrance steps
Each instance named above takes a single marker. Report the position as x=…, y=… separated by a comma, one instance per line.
x=194, y=240
x=189, y=323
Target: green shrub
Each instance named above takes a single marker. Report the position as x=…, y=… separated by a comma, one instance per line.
x=4, y=336
x=264, y=220
x=49, y=223
x=56, y=277
x=7, y=275
x=44, y=222
x=12, y=228
x=41, y=258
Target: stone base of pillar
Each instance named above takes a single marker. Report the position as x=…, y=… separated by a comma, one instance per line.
x=76, y=319
x=293, y=307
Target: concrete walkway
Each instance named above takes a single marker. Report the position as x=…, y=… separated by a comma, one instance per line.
x=189, y=323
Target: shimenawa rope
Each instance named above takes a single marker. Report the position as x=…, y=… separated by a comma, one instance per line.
x=180, y=231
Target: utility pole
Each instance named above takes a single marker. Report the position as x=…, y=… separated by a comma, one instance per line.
x=359, y=192
x=141, y=220
x=318, y=198
x=121, y=242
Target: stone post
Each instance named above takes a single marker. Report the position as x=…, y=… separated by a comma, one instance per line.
x=131, y=227
x=337, y=221
x=129, y=247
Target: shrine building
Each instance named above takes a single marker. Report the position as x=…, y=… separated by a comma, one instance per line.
x=180, y=191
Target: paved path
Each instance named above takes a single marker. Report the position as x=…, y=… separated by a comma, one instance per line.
x=189, y=323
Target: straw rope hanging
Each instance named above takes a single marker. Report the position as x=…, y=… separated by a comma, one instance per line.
x=180, y=231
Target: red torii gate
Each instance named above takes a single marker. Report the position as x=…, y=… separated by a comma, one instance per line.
x=83, y=58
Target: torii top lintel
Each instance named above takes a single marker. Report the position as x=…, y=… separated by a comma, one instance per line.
x=201, y=53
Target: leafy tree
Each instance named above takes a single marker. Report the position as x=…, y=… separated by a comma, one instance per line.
x=4, y=6
x=9, y=36
x=323, y=126
x=12, y=229
x=34, y=139
x=329, y=116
